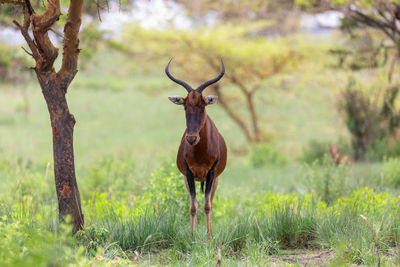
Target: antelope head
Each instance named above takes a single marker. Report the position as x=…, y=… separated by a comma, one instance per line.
x=194, y=104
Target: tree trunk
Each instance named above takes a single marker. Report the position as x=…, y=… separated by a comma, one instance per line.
x=54, y=87
x=62, y=124
x=232, y=114
x=253, y=116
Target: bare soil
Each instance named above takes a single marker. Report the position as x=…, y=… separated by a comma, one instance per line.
x=305, y=258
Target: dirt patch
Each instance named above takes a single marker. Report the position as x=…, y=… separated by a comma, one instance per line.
x=320, y=258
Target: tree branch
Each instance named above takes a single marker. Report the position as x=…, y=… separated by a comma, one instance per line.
x=24, y=31
x=40, y=26
x=29, y=7
x=69, y=65
x=249, y=102
x=242, y=125
x=42, y=23
x=26, y=51
x=372, y=22
x=13, y=2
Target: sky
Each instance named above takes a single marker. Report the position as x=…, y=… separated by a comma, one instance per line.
x=161, y=14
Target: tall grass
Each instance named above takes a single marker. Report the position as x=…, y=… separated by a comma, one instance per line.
x=150, y=224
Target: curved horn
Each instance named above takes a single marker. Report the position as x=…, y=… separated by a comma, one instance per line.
x=187, y=86
x=204, y=85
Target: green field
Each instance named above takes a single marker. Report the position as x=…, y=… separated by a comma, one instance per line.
x=135, y=202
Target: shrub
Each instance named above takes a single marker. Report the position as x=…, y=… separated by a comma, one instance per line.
x=362, y=118
x=167, y=189
x=383, y=148
x=93, y=237
x=32, y=244
x=372, y=121
x=328, y=181
x=110, y=174
x=316, y=150
x=264, y=153
x=13, y=64
x=391, y=171
x=366, y=201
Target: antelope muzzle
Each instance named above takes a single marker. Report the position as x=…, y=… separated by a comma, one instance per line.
x=192, y=139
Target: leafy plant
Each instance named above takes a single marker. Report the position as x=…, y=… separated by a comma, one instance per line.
x=327, y=180
x=167, y=189
x=315, y=151
x=263, y=154
x=92, y=237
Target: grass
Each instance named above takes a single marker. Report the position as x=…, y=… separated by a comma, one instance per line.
x=151, y=226
x=248, y=228
x=135, y=202
x=138, y=116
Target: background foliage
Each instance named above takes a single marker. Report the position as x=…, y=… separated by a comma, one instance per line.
x=287, y=95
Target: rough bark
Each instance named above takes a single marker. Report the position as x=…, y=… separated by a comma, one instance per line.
x=54, y=88
x=62, y=124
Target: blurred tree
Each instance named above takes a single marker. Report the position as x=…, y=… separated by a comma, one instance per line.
x=374, y=30
x=250, y=61
x=228, y=10
x=93, y=8
x=236, y=10
x=284, y=14
x=383, y=16
x=370, y=117
x=13, y=63
x=54, y=88
x=364, y=49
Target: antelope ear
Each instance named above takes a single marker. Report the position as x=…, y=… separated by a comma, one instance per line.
x=176, y=100
x=211, y=99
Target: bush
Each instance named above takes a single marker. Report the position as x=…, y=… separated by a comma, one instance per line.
x=167, y=189
x=93, y=237
x=316, y=150
x=32, y=244
x=372, y=121
x=362, y=118
x=391, y=171
x=328, y=181
x=263, y=154
x=383, y=148
x=108, y=175
x=13, y=64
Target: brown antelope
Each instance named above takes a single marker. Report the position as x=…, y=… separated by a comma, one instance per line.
x=202, y=152
x=339, y=158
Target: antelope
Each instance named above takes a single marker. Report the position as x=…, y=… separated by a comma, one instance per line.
x=202, y=152
x=339, y=158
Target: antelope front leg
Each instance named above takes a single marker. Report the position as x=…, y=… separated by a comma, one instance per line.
x=211, y=186
x=190, y=185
